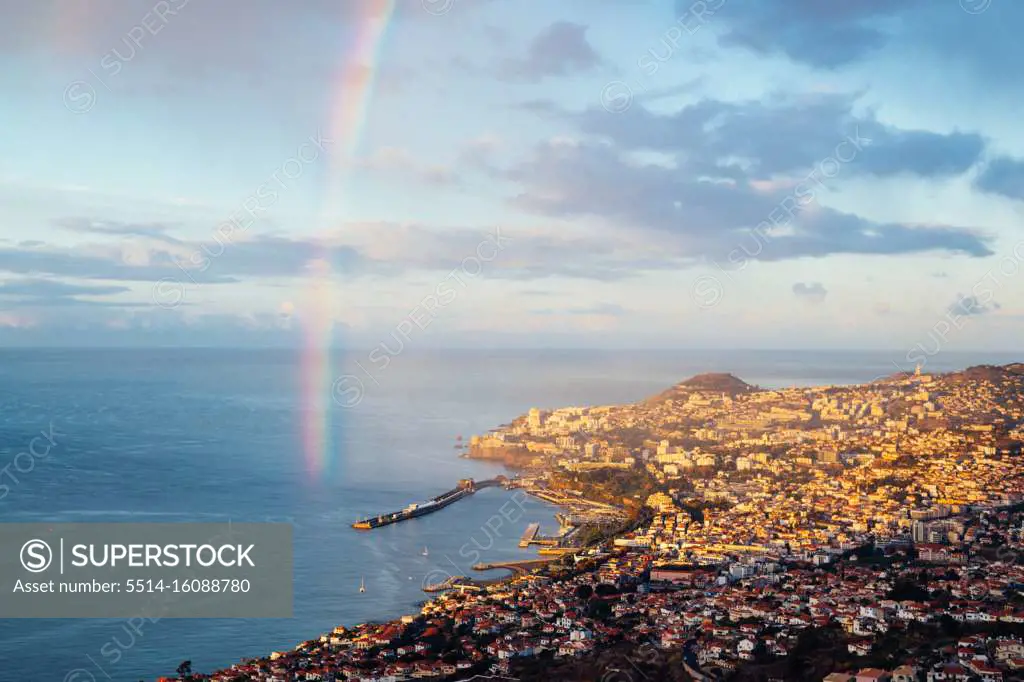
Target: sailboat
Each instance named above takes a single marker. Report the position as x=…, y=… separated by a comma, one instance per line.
x=362, y=585
x=425, y=552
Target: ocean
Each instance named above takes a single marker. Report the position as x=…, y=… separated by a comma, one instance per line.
x=215, y=435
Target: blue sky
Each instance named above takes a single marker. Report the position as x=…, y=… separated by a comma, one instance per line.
x=612, y=173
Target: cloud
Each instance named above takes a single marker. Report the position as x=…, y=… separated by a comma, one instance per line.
x=116, y=229
x=612, y=309
x=46, y=288
x=600, y=309
x=784, y=135
x=53, y=275
x=726, y=169
x=29, y=297
x=699, y=217
x=1004, y=176
x=982, y=44
x=822, y=34
x=559, y=50
x=813, y=291
x=970, y=305
x=217, y=260
x=94, y=262
x=529, y=254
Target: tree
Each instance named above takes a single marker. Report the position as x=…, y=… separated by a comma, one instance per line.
x=598, y=609
x=185, y=670
x=584, y=592
x=949, y=624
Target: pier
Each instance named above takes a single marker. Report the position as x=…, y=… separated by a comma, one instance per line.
x=529, y=535
x=466, y=486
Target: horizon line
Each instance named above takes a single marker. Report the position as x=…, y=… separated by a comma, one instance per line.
x=478, y=348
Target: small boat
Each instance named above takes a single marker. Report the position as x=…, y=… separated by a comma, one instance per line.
x=362, y=585
x=425, y=552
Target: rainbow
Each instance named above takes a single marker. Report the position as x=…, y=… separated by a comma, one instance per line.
x=352, y=91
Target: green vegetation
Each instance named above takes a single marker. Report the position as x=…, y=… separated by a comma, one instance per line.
x=611, y=486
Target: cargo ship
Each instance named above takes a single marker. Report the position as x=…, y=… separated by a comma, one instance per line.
x=417, y=509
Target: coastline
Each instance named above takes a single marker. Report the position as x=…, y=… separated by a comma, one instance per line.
x=415, y=607
x=724, y=544
x=518, y=570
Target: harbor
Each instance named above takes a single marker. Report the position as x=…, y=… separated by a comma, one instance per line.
x=578, y=514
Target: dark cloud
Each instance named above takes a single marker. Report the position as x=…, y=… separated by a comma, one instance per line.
x=743, y=177
x=984, y=46
x=784, y=136
x=977, y=37
x=700, y=217
x=970, y=305
x=558, y=50
x=1003, y=176
x=821, y=34
x=919, y=152
x=830, y=46
x=814, y=291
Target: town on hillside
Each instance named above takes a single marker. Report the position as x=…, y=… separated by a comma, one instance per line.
x=868, y=533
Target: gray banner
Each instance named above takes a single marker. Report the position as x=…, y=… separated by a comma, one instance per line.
x=145, y=570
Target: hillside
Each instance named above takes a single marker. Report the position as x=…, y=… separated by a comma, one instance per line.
x=712, y=382
x=991, y=373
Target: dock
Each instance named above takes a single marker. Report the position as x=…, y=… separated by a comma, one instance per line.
x=529, y=535
x=465, y=487
x=532, y=536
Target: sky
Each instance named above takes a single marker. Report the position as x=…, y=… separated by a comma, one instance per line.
x=512, y=173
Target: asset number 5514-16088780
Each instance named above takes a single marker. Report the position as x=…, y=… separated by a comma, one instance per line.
x=208, y=585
